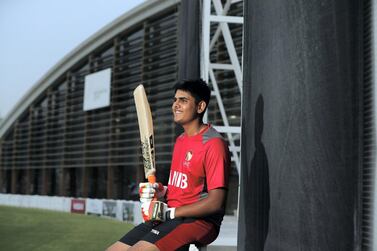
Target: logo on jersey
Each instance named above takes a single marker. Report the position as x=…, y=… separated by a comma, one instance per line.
x=178, y=179
x=188, y=157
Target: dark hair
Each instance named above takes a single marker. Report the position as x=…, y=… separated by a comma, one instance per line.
x=198, y=88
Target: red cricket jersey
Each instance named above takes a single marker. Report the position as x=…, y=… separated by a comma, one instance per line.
x=200, y=163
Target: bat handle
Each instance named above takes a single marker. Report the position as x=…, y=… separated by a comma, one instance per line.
x=152, y=179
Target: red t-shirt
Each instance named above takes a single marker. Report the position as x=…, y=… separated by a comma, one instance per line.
x=200, y=163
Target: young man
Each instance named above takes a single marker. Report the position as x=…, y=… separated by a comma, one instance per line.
x=197, y=189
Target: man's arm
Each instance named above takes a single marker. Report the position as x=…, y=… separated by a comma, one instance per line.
x=209, y=205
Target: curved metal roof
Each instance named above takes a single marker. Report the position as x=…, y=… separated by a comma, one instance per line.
x=129, y=19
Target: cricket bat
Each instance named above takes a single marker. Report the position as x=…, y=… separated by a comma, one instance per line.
x=144, y=117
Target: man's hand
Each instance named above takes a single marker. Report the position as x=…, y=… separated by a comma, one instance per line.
x=149, y=191
x=157, y=211
x=146, y=192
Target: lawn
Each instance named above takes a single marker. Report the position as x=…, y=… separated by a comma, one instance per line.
x=42, y=230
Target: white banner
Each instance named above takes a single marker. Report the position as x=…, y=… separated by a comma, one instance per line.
x=36, y=201
x=97, y=90
x=122, y=210
x=94, y=206
x=109, y=208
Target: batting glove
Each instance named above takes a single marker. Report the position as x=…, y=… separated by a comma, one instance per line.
x=149, y=191
x=157, y=211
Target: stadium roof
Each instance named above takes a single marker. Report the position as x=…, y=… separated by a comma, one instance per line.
x=130, y=18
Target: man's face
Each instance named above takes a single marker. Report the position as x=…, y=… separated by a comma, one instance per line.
x=184, y=108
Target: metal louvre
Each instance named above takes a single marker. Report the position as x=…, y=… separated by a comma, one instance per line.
x=56, y=148
x=368, y=166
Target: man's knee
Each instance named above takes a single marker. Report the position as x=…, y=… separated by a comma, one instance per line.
x=144, y=246
x=118, y=246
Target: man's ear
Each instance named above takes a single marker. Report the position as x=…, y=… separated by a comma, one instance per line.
x=201, y=107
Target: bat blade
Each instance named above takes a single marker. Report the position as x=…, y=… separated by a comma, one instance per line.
x=144, y=117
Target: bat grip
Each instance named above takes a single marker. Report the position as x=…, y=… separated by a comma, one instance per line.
x=152, y=179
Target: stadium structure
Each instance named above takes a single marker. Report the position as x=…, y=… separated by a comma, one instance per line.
x=55, y=143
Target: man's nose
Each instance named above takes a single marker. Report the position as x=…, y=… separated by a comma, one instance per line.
x=175, y=104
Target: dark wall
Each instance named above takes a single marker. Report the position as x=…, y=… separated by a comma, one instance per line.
x=188, y=40
x=300, y=127
x=188, y=43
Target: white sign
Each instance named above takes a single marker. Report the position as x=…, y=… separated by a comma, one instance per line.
x=97, y=90
x=94, y=206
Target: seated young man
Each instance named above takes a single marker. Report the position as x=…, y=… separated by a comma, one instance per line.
x=196, y=193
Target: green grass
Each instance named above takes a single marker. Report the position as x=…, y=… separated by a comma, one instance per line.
x=42, y=230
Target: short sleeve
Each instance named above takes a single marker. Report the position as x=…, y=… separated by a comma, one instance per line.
x=217, y=164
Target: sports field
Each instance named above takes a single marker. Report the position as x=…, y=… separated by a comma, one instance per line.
x=42, y=230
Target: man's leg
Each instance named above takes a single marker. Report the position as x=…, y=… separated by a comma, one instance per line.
x=118, y=246
x=179, y=232
x=131, y=238
x=139, y=246
x=143, y=246
x=170, y=235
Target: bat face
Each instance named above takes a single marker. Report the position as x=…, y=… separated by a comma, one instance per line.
x=147, y=148
x=144, y=117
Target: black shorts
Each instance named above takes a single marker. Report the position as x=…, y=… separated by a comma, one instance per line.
x=173, y=234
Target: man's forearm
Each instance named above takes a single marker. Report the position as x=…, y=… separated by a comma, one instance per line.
x=207, y=206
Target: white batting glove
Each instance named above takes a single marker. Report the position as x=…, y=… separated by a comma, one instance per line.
x=157, y=211
x=149, y=191
x=145, y=210
x=146, y=192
